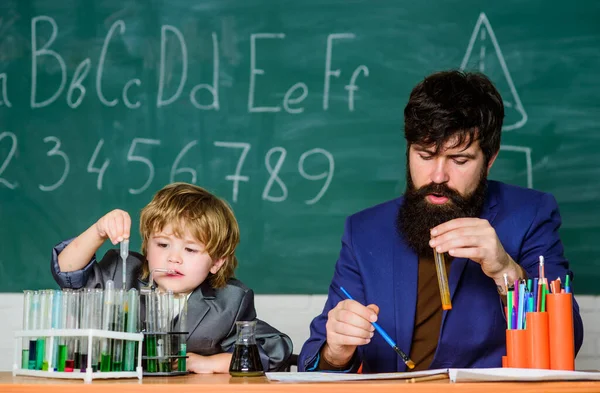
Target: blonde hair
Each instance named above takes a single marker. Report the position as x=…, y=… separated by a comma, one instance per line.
x=187, y=207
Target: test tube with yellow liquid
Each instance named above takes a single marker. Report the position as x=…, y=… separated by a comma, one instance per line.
x=440, y=267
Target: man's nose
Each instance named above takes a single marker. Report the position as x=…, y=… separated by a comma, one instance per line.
x=440, y=171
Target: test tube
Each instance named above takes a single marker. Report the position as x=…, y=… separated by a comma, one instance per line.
x=57, y=312
x=180, y=325
x=163, y=342
x=118, y=326
x=46, y=353
x=97, y=311
x=27, y=299
x=107, y=324
x=151, y=329
x=132, y=311
x=87, y=304
x=34, y=324
x=440, y=267
x=63, y=344
x=73, y=354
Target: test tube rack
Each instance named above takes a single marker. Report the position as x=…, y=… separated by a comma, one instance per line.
x=168, y=359
x=90, y=334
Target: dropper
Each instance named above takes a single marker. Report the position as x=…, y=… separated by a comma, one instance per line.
x=124, y=252
x=150, y=286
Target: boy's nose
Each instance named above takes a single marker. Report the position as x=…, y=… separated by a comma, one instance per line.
x=174, y=259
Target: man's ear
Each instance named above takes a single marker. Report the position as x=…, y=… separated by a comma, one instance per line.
x=214, y=269
x=491, y=162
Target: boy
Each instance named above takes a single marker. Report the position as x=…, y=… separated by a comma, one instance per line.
x=190, y=231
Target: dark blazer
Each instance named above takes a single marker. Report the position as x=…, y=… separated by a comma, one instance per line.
x=377, y=266
x=212, y=313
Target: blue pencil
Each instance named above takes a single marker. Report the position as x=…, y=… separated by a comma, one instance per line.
x=409, y=363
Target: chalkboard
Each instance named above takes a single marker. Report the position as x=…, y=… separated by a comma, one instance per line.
x=290, y=110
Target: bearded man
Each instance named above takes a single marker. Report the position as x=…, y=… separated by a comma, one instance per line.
x=487, y=230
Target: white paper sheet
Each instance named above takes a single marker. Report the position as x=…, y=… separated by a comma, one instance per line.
x=455, y=374
x=518, y=374
x=337, y=376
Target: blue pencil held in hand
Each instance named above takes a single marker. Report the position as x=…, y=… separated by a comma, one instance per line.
x=409, y=363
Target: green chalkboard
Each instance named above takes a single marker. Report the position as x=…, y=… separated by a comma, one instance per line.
x=291, y=110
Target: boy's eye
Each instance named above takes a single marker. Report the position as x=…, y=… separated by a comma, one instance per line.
x=191, y=250
x=161, y=245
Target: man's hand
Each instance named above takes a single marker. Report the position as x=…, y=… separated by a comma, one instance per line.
x=348, y=326
x=476, y=239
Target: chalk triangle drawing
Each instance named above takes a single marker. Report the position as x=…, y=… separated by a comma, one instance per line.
x=482, y=35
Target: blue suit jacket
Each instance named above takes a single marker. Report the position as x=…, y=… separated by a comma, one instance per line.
x=377, y=266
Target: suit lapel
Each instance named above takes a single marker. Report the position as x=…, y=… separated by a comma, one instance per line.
x=197, y=306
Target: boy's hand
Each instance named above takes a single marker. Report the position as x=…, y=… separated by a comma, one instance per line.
x=199, y=364
x=115, y=226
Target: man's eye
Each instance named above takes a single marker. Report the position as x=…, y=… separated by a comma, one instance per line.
x=461, y=162
x=426, y=158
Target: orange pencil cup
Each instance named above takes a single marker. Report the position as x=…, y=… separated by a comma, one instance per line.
x=538, y=340
x=517, y=350
x=561, y=336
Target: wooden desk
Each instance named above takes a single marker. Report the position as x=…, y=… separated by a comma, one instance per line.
x=226, y=384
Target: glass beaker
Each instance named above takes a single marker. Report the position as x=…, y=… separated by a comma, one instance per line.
x=245, y=361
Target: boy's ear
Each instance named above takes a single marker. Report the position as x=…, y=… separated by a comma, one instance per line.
x=214, y=269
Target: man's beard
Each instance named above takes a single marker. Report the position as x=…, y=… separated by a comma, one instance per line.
x=416, y=217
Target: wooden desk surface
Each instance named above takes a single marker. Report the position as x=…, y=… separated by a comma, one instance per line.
x=225, y=384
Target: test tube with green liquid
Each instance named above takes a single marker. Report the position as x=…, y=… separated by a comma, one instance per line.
x=108, y=315
x=118, y=326
x=63, y=342
x=27, y=299
x=132, y=312
x=180, y=325
x=57, y=312
x=45, y=354
x=151, y=328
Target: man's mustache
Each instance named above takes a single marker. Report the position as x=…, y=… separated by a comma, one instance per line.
x=440, y=189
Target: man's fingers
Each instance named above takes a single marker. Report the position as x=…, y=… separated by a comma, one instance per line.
x=475, y=253
x=460, y=242
x=456, y=223
x=374, y=307
x=358, y=309
x=341, y=339
x=346, y=329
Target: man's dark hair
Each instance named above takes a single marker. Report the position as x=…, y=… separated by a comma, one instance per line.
x=455, y=103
